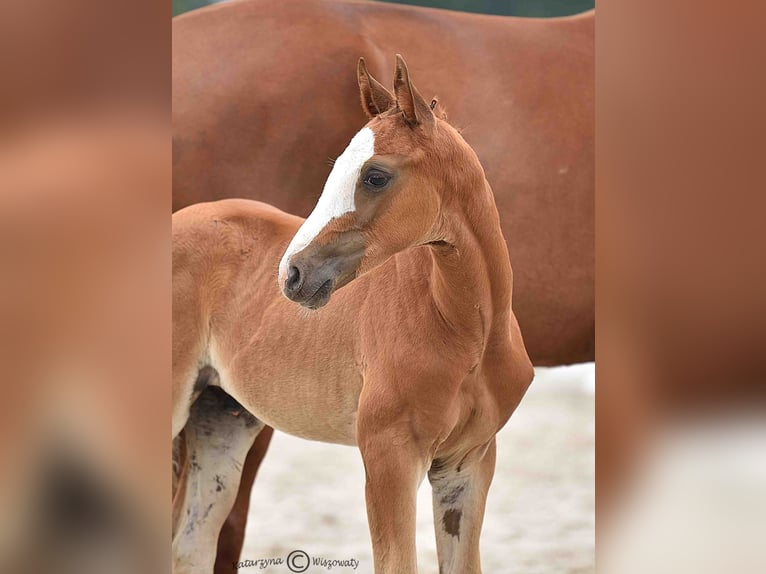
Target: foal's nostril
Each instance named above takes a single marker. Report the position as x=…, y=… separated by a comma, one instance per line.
x=293, y=281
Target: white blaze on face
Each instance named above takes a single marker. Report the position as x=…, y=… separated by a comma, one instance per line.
x=337, y=196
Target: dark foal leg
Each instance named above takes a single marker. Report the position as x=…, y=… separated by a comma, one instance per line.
x=233, y=532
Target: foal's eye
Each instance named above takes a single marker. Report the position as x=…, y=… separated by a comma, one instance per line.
x=376, y=180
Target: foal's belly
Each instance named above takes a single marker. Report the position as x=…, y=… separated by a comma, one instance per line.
x=298, y=374
x=316, y=406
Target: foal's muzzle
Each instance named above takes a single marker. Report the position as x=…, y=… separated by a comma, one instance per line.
x=311, y=287
x=312, y=275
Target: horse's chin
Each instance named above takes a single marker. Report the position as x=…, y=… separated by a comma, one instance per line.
x=321, y=297
x=327, y=290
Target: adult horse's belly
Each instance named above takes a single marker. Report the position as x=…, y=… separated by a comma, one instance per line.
x=265, y=94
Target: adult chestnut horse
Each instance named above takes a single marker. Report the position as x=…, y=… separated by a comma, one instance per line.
x=417, y=359
x=259, y=107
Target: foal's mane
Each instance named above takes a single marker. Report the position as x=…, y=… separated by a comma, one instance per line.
x=436, y=107
x=439, y=110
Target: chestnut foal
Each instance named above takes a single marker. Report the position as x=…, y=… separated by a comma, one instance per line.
x=418, y=360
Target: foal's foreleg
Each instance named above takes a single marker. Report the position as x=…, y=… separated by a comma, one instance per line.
x=459, y=497
x=218, y=435
x=393, y=471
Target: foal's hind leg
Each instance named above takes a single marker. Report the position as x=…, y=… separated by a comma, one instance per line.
x=459, y=497
x=233, y=531
x=218, y=435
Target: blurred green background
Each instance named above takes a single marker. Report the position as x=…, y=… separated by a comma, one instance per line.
x=544, y=8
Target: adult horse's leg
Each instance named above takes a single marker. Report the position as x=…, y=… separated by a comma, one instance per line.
x=218, y=434
x=233, y=532
x=459, y=497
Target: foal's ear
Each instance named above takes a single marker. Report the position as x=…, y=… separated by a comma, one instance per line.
x=416, y=110
x=375, y=98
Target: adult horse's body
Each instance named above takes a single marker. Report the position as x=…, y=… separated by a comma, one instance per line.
x=260, y=92
x=418, y=359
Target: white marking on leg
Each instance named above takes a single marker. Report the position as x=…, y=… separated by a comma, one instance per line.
x=337, y=196
x=217, y=442
x=450, y=493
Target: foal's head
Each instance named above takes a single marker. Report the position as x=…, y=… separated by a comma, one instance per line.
x=384, y=193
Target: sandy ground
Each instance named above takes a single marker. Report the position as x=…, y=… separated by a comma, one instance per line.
x=540, y=512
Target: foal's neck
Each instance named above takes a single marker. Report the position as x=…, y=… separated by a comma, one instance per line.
x=471, y=274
